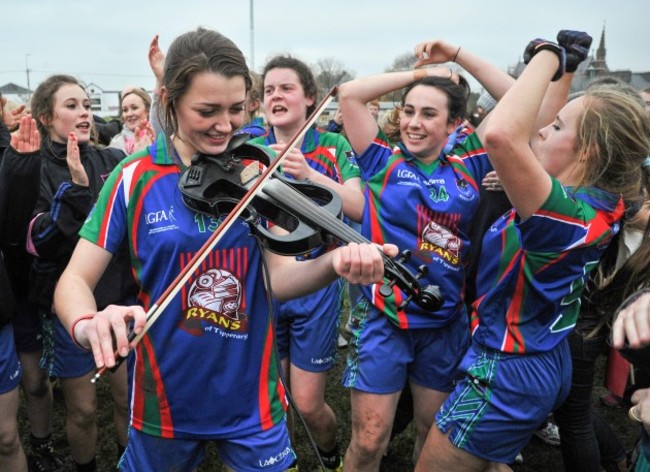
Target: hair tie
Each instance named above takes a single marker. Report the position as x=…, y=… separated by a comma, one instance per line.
x=646, y=162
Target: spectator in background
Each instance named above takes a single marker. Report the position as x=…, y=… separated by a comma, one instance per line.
x=17, y=199
x=373, y=106
x=135, y=104
x=70, y=171
x=631, y=335
x=335, y=125
x=12, y=455
x=255, y=120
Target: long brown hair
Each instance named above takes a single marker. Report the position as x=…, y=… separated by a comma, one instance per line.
x=201, y=50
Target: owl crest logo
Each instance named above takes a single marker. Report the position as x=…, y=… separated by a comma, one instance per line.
x=216, y=290
x=442, y=237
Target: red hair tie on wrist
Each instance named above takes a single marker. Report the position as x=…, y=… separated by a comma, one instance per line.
x=74, y=339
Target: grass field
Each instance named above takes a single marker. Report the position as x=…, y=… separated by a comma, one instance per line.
x=538, y=457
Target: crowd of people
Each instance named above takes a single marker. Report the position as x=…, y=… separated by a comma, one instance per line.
x=524, y=226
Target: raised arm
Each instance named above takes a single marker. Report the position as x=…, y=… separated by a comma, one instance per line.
x=360, y=126
x=157, y=63
x=576, y=45
x=507, y=133
x=437, y=51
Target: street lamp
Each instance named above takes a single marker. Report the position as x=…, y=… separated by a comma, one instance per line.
x=252, y=36
x=29, y=89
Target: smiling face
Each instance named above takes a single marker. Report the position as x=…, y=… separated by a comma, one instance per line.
x=556, y=145
x=134, y=111
x=70, y=113
x=424, y=122
x=285, y=102
x=209, y=113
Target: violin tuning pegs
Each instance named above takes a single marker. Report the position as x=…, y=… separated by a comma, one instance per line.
x=422, y=271
x=194, y=175
x=430, y=298
x=404, y=256
x=386, y=290
x=405, y=302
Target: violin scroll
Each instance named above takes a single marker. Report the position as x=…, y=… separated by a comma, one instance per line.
x=428, y=297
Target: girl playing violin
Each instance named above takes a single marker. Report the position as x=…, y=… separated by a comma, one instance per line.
x=207, y=370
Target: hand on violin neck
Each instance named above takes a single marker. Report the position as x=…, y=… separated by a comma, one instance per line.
x=361, y=263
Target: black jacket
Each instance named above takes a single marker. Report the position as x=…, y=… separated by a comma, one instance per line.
x=7, y=301
x=60, y=210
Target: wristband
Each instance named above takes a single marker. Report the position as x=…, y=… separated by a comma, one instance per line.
x=74, y=324
x=419, y=74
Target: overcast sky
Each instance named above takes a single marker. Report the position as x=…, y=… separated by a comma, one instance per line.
x=106, y=42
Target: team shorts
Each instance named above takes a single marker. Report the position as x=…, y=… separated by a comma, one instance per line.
x=267, y=451
x=28, y=330
x=61, y=356
x=10, y=369
x=306, y=328
x=382, y=357
x=502, y=400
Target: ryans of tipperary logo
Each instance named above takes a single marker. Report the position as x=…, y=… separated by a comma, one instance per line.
x=161, y=220
x=440, y=240
x=214, y=298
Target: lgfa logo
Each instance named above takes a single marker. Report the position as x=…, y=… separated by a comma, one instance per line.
x=160, y=216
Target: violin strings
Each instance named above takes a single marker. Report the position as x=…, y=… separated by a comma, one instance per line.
x=290, y=196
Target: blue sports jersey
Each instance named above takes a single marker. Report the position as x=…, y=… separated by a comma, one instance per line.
x=532, y=273
x=207, y=368
x=426, y=209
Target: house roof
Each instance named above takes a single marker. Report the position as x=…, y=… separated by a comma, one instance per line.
x=13, y=89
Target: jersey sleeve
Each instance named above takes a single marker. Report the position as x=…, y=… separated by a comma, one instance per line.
x=470, y=149
x=346, y=159
x=563, y=223
x=106, y=225
x=374, y=159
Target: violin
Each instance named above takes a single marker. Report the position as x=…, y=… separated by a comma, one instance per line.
x=310, y=213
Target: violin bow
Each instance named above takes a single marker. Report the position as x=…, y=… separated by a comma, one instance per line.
x=168, y=295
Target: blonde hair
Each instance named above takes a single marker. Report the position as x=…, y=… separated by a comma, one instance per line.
x=389, y=124
x=140, y=93
x=614, y=134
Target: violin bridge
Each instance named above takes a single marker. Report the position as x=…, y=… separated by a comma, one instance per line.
x=250, y=172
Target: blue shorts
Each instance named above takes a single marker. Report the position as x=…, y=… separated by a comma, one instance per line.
x=382, y=357
x=61, y=356
x=10, y=369
x=306, y=328
x=503, y=399
x=28, y=329
x=267, y=451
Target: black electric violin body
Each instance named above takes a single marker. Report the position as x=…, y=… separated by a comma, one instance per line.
x=310, y=213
